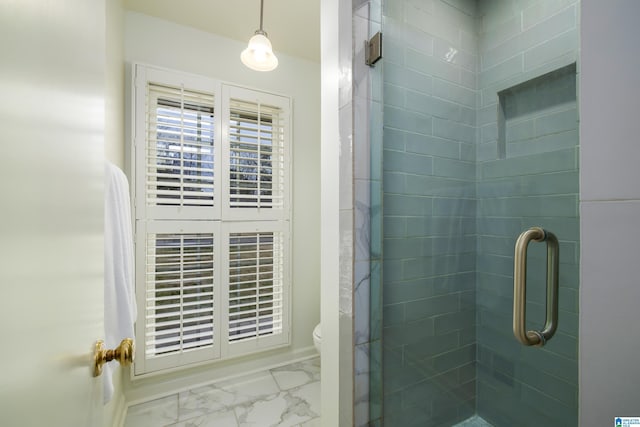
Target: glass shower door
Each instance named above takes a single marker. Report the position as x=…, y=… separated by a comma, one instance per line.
x=480, y=143
x=533, y=183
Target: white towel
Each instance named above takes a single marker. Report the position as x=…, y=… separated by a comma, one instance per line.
x=119, y=293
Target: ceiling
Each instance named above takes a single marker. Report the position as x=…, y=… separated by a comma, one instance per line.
x=293, y=26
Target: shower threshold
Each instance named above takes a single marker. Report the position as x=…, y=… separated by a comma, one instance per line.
x=474, y=421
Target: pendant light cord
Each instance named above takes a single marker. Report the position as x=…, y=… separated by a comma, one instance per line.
x=261, y=9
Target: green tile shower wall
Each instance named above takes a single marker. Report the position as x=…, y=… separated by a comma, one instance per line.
x=453, y=202
x=429, y=209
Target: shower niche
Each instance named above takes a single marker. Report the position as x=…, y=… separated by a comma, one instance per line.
x=538, y=115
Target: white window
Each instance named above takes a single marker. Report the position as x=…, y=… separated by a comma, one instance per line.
x=211, y=179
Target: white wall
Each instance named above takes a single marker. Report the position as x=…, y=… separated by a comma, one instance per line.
x=114, y=85
x=610, y=211
x=153, y=41
x=330, y=246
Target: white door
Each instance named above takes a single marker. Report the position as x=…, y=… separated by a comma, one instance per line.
x=51, y=207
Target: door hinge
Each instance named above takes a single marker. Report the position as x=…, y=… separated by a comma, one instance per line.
x=373, y=49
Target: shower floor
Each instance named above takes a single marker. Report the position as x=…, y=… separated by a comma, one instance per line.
x=474, y=421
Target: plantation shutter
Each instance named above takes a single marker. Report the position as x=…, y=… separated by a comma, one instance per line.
x=211, y=179
x=257, y=159
x=181, y=284
x=257, y=275
x=177, y=178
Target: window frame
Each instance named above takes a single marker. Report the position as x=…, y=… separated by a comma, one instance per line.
x=221, y=219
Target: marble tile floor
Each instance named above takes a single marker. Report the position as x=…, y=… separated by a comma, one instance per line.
x=474, y=421
x=288, y=396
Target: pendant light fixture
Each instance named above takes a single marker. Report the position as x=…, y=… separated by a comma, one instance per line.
x=259, y=55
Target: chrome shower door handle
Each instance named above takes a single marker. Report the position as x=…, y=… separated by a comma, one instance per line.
x=537, y=338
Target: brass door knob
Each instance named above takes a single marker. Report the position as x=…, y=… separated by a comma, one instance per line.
x=123, y=354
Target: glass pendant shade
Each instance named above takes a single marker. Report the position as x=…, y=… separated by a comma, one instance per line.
x=259, y=55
